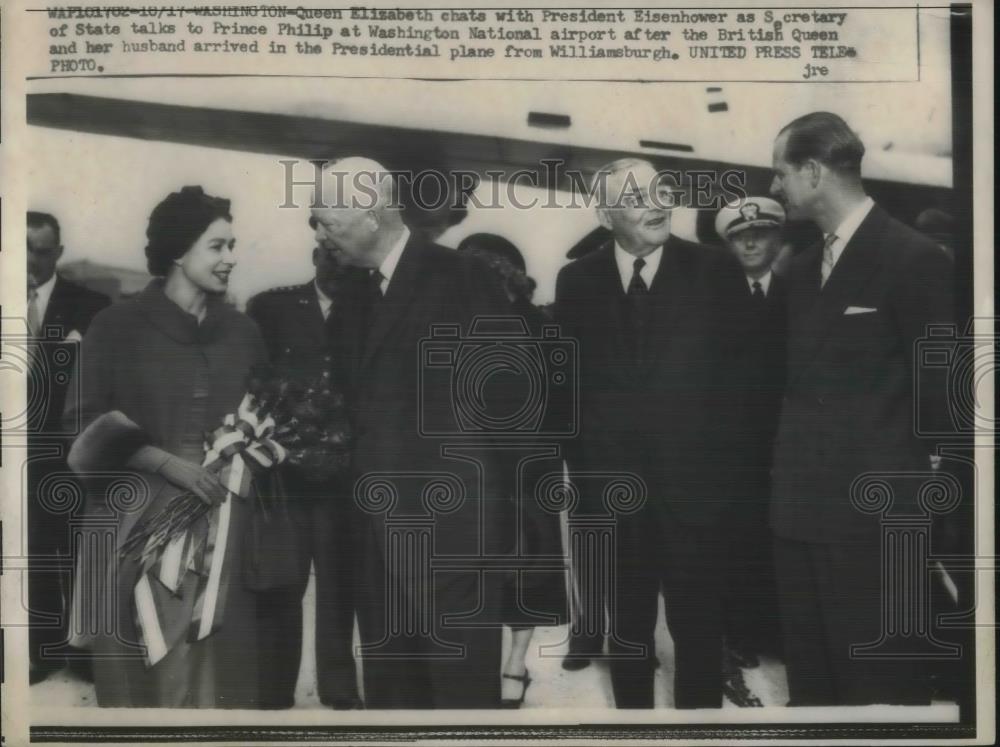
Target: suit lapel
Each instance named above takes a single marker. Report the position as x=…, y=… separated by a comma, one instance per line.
x=663, y=294
x=392, y=308
x=859, y=260
x=59, y=308
x=610, y=288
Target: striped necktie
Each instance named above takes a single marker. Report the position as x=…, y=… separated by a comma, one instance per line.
x=827, y=267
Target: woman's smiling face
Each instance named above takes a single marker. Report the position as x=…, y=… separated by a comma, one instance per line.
x=210, y=260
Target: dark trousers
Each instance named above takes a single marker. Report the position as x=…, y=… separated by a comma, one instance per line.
x=588, y=601
x=751, y=617
x=830, y=598
x=687, y=563
x=324, y=533
x=414, y=662
x=954, y=536
x=49, y=555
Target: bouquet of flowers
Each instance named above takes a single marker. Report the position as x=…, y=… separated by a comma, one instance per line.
x=311, y=421
x=281, y=420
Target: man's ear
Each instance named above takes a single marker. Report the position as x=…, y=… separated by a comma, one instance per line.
x=59, y=252
x=604, y=218
x=815, y=172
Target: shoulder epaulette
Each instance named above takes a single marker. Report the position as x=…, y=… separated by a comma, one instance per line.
x=283, y=289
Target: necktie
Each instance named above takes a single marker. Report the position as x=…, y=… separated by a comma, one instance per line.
x=637, y=293
x=827, y=267
x=637, y=286
x=758, y=293
x=34, y=318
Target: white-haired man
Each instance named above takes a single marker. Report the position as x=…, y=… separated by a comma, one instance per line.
x=652, y=314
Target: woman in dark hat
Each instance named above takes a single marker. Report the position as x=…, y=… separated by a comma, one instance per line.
x=157, y=373
x=539, y=593
x=507, y=262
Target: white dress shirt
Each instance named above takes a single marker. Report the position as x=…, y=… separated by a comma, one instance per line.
x=626, y=266
x=764, y=280
x=325, y=302
x=44, y=295
x=388, y=265
x=848, y=227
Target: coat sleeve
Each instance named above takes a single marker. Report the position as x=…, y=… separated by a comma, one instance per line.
x=257, y=310
x=921, y=298
x=260, y=353
x=568, y=330
x=728, y=393
x=94, y=304
x=107, y=438
x=92, y=391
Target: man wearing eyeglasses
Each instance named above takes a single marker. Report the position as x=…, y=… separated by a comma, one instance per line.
x=299, y=324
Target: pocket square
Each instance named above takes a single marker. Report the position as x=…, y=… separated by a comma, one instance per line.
x=859, y=310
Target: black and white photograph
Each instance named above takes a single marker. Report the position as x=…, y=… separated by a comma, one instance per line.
x=490, y=375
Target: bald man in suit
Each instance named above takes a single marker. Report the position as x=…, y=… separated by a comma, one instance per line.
x=429, y=640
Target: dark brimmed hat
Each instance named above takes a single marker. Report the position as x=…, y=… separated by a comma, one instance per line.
x=496, y=245
x=590, y=243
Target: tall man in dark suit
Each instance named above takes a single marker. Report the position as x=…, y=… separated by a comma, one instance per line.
x=858, y=302
x=431, y=638
x=299, y=326
x=59, y=313
x=653, y=317
x=752, y=228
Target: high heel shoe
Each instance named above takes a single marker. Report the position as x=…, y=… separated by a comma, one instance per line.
x=525, y=680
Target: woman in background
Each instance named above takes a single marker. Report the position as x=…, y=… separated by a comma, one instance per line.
x=538, y=592
x=158, y=372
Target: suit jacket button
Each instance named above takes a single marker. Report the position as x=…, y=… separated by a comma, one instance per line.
x=821, y=400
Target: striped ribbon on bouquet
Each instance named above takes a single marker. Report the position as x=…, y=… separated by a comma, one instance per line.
x=244, y=447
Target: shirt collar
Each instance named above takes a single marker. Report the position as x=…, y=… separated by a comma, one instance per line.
x=850, y=224
x=626, y=265
x=388, y=265
x=764, y=280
